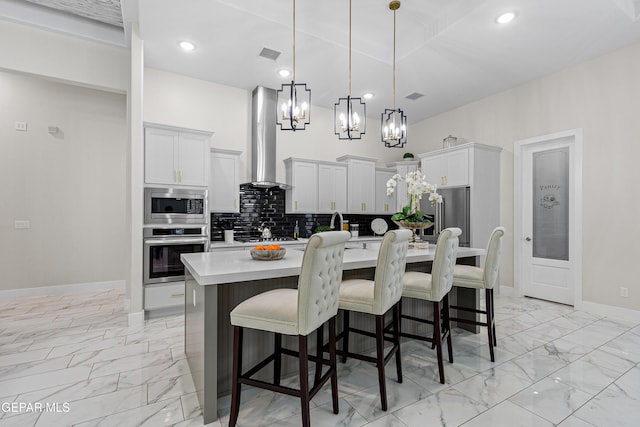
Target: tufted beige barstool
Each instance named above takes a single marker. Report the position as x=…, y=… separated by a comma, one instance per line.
x=435, y=288
x=377, y=297
x=467, y=276
x=294, y=312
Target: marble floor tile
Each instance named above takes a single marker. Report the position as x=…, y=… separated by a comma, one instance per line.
x=551, y=399
x=166, y=412
x=492, y=386
x=124, y=364
x=78, y=348
x=97, y=407
x=507, y=414
x=445, y=408
x=173, y=387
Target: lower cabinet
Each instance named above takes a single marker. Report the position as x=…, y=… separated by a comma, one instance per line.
x=163, y=295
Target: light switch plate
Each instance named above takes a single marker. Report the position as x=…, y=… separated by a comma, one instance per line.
x=22, y=126
x=21, y=224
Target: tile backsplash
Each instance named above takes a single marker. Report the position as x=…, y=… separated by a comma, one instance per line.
x=267, y=205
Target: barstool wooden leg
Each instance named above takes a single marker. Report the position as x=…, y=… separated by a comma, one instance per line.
x=332, y=359
x=319, y=353
x=493, y=319
x=277, y=362
x=396, y=339
x=438, y=338
x=304, y=380
x=447, y=326
x=380, y=360
x=235, y=375
x=345, y=336
x=490, y=325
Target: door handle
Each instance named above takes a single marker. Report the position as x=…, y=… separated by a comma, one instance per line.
x=528, y=239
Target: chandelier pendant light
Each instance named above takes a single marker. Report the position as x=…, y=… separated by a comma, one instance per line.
x=393, y=127
x=294, y=99
x=350, y=114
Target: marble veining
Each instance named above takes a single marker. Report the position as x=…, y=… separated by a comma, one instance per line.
x=554, y=366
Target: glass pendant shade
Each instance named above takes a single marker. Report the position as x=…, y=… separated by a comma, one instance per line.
x=293, y=102
x=350, y=115
x=394, y=128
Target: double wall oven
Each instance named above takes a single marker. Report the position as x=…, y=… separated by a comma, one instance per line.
x=176, y=222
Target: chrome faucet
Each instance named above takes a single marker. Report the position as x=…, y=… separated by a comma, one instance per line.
x=333, y=218
x=265, y=231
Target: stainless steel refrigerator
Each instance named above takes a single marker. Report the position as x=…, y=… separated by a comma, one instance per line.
x=452, y=212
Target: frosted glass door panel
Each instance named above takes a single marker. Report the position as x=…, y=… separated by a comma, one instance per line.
x=551, y=204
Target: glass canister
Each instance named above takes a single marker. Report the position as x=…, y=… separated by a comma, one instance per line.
x=449, y=141
x=355, y=230
x=345, y=225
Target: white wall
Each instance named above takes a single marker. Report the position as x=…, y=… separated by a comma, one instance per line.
x=177, y=100
x=602, y=97
x=70, y=186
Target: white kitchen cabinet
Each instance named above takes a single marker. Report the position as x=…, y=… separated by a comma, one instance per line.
x=481, y=164
x=449, y=168
x=385, y=205
x=224, y=181
x=302, y=176
x=403, y=168
x=361, y=190
x=164, y=295
x=176, y=156
x=332, y=187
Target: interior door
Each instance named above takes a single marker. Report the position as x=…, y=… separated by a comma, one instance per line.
x=549, y=240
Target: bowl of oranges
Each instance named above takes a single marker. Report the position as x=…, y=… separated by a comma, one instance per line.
x=268, y=252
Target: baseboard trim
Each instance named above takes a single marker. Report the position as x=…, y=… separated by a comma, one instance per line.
x=136, y=320
x=60, y=289
x=609, y=311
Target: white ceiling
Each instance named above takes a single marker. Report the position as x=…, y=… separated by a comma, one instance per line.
x=452, y=51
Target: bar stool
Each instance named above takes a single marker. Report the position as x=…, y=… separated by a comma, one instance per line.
x=294, y=312
x=467, y=276
x=377, y=297
x=435, y=288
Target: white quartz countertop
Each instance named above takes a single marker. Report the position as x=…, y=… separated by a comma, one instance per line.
x=218, y=267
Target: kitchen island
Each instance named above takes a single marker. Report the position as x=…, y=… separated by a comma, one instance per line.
x=218, y=281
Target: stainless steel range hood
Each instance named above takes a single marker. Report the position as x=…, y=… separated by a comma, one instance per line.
x=263, y=138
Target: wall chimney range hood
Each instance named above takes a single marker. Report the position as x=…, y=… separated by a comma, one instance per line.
x=263, y=138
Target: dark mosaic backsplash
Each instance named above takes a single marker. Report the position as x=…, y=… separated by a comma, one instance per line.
x=260, y=205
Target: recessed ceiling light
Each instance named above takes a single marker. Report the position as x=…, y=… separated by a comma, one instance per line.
x=284, y=72
x=367, y=95
x=188, y=46
x=505, y=17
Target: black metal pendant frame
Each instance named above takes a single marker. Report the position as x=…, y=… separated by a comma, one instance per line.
x=288, y=120
x=348, y=131
x=391, y=141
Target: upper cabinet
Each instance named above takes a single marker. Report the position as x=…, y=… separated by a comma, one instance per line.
x=224, y=182
x=302, y=176
x=447, y=168
x=175, y=156
x=361, y=177
x=385, y=205
x=332, y=187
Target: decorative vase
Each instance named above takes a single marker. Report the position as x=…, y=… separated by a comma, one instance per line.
x=413, y=226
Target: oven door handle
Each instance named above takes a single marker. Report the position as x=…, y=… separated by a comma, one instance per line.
x=172, y=241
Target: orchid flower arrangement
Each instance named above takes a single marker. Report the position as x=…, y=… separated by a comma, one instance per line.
x=417, y=186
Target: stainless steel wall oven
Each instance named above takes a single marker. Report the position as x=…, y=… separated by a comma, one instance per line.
x=163, y=246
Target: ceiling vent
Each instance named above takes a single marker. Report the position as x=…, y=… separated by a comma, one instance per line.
x=269, y=53
x=415, y=95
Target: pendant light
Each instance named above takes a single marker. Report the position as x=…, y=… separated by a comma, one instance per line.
x=294, y=99
x=393, y=125
x=350, y=114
